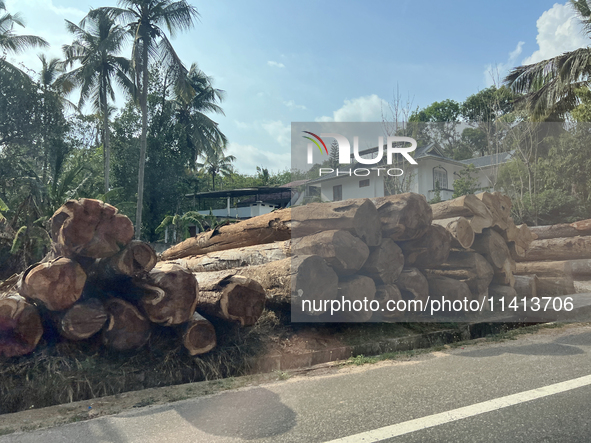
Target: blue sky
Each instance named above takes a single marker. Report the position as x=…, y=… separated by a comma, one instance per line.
x=305, y=60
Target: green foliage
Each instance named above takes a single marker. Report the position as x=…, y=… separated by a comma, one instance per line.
x=466, y=183
x=436, y=195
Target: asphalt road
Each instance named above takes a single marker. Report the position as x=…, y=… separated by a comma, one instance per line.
x=533, y=389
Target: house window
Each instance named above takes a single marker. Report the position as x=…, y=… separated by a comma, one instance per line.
x=363, y=183
x=337, y=193
x=439, y=176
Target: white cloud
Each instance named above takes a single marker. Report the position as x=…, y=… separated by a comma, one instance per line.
x=292, y=105
x=494, y=74
x=275, y=64
x=249, y=157
x=280, y=132
x=25, y=6
x=559, y=30
x=362, y=109
x=242, y=125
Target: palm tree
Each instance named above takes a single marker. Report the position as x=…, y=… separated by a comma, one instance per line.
x=97, y=41
x=146, y=21
x=217, y=163
x=11, y=43
x=550, y=86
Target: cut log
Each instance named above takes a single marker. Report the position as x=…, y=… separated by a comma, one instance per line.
x=90, y=228
x=462, y=234
x=20, y=326
x=499, y=206
x=126, y=327
x=428, y=251
x=449, y=289
x=342, y=251
x=552, y=286
x=498, y=292
x=562, y=230
x=56, y=284
x=135, y=259
x=237, y=258
x=494, y=249
x=526, y=286
x=388, y=296
x=404, y=216
x=170, y=294
x=358, y=216
x=267, y=228
x=385, y=262
x=568, y=248
x=567, y=268
x=81, y=321
x=413, y=284
x=355, y=294
x=468, y=206
x=230, y=297
x=198, y=335
x=469, y=267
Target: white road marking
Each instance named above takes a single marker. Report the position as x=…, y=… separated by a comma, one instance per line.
x=430, y=421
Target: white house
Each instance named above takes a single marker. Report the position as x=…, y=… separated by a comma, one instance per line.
x=432, y=167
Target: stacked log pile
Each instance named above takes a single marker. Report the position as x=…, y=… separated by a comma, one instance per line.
x=559, y=259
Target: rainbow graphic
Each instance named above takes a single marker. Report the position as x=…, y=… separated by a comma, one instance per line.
x=315, y=142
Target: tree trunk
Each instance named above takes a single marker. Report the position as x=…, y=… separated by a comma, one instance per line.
x=106, y=146
x=567, y=268
x=89, y=228
x=404, y=216
x=575, y=229
x=198, y=335
x=385, y=262
x=447, y=288
x=462, y=234
x=81, y=321
x=57, y=284
x=494, y=249
x=137, y=258
x=468, y=206
x=497, y=292
x=552, y=286
x=126, y=327
x=143, y=142
x=354, y=290
x=428, y=251
x=413, y=284
x=499, y=206
x=170, y=294
x=568, y=248
x=231, y=297
x=526, y=286
x=469, y=267
x=267, y=228
x=20, y=326
x=388, y=295
x=358, y=216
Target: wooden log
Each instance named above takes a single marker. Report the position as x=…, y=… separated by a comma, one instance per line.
x=526, y=286
x=567, y=248
x=342, y=251
x=499, y=206
x=57, y=284
x=498, y=292
x=428, y=251
x=135, y=259
x=231, y=297
x=82, y=320
x=494, y=249
x=385, y=262
x=552, y=286
x=388, y=295
x=462, y=234
x=413, y=284
x=355, y=294
x=562, y=230
x=170, y=294
x=90, y=228
x=566, y=268
x=469, y=267
x=267, y=228
x=198, y=335
x=468, y=206
x=126, y=327
x=20, y=326
x=358, y=216
x=445, y=288
x=404, y=216
x=237, y=258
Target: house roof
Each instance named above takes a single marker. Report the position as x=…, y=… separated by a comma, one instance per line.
x=490, y=160
x=431, y=149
